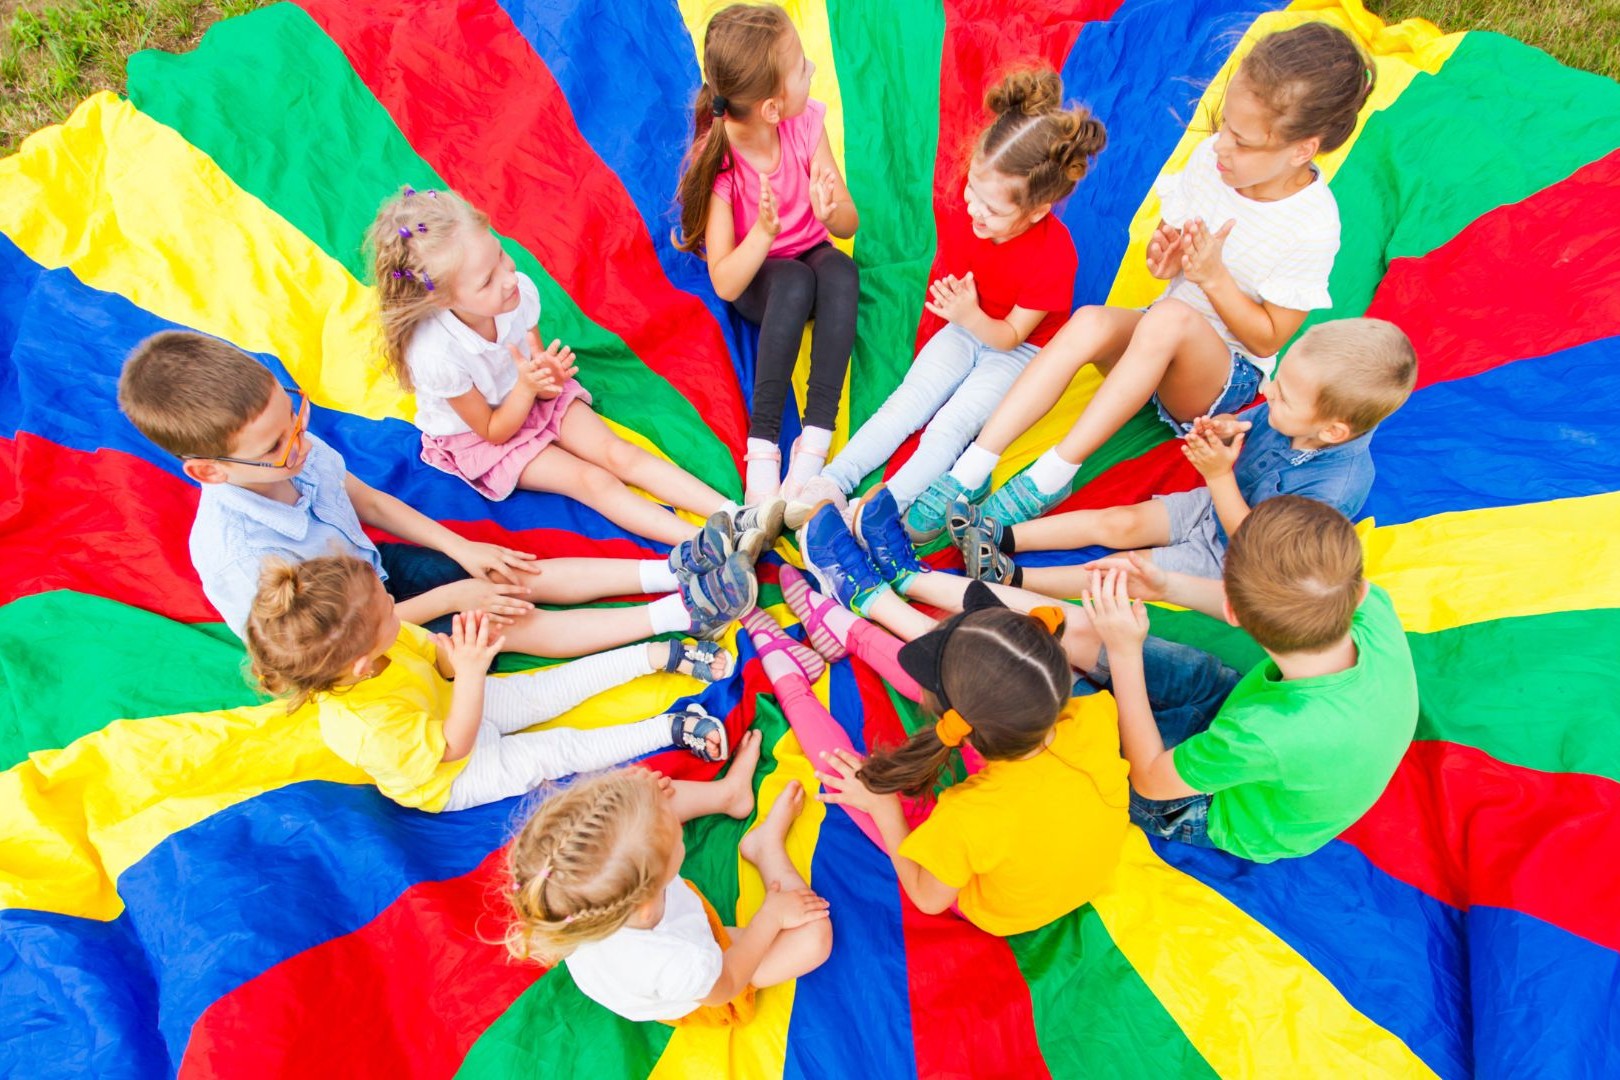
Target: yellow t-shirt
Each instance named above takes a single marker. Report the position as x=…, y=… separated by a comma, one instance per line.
x=1029, y=841
x=391, y=726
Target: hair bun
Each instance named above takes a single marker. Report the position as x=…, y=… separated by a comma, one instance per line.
x=1082, y=139
x=1031, y=92
x=279, y=585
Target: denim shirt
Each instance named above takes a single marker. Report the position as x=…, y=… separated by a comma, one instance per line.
x=236, y=528
x=1268, y=466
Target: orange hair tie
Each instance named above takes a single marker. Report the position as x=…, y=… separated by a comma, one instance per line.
x=952, y=729
x=1051, y=617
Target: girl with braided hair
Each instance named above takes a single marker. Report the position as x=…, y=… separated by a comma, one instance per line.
x=596, y=884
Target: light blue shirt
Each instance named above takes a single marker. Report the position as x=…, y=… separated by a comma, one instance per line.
x=1268, y=466
x=236, y=529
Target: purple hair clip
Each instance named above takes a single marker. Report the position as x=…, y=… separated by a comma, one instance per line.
x=409, y=192
x=403, y=274
x=427, y=282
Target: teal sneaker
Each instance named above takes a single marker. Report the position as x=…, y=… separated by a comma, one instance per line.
x=925, y=518
x=1020, y=500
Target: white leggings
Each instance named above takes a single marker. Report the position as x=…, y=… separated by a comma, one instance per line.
x=507, y=761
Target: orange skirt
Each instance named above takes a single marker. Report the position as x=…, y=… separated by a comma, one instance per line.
x=740, y=1009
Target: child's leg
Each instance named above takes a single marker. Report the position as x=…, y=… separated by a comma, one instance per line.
x=778, y=301
x=936, y=373
x=1140, y=525
x=838, y=290
x=557, y=469
x=888, y=609
x=586, y=435
x=731, y=794
x=804, y=948
x=514, y=702
x=947, y=591
x=876, y=647
x=501, y=766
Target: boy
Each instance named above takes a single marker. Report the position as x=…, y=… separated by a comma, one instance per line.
x=1312, y=436
x=269, y=487
x=1280, y=761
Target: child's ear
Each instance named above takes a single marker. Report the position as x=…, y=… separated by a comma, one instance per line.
x=1040, y=212
x=771, y=110
x=1306, y=149
x=1334, y=432
x=361, y=668
x=1366, y=587
x=1228, y=614
x=203, y=471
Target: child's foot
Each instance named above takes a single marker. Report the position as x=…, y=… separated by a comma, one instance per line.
x=771, y=832
x=706, y=551
x=803, y=465
x=925, y=518
x=704, y=661
x=719, y=598
x=831, y=555
x=738, y=783
x=762, y=473
x=977, y=537
x=1019, y=499
x=809, y=607
x=768, y=637
x=877, y=527
x=699, y=734
x=817, y=490
x=765, y=516
x=966, y=522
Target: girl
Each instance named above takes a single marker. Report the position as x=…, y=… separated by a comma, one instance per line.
x=325, y=631
x=759, y=196
x=1008, y=283
x=1247, y=241
x=596, y=884
x=494, y=407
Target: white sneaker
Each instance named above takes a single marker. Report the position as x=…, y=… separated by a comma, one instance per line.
x=817, y=490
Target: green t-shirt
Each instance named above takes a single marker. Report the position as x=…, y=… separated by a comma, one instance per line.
x=1291, y=764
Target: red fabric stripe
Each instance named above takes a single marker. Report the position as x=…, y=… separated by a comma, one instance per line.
x=1516, y=283
x=1468, y=829
x=404, y=996
x=516, y=152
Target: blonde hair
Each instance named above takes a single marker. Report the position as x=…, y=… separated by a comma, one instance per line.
x=416, y=244
x=1368, y=369
x=309, y=623
x=1035, y=139
x=741, y=65
x=192, y=394
x=1294, y=574
x=584, y=862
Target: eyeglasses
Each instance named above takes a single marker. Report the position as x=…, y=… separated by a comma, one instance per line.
x=300, y=418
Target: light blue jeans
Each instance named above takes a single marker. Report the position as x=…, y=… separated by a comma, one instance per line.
x=958, y=381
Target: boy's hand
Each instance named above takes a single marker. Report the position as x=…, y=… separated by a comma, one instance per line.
x=1164, y=252
x=953, y=299
x=792, y=907
x=1202, y=259
x=1145, y=579
x=840, y=785
x=504, y=604
x=1209, y=455
x=1224, y=427
x=823, y=195
x=1121, y=622
x=768, y=221
x=468, y=645
x=492, y=562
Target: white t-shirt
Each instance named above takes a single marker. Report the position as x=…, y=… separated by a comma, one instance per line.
x=661, y=973
x=1278, y=251
x=446, y=358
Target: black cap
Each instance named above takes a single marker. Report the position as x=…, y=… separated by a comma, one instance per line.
x=921, y=658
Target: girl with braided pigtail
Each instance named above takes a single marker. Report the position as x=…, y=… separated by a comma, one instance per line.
x=596, y=884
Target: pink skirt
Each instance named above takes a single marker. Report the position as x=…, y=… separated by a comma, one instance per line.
x=493, y=469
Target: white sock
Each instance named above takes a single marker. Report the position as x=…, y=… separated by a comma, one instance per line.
x=972, y=469
x=815, y=440
x=656, y=576
x=763, y=471
x=811, y=458
x=1051, y=473
x=669, y=615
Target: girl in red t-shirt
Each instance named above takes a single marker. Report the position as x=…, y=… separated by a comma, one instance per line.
x=1006, y=285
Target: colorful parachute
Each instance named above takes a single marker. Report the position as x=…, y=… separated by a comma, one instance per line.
x=191, y=883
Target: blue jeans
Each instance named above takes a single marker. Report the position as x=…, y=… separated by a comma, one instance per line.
x=1242, y=383
x=414, y=570
x=1186, y=688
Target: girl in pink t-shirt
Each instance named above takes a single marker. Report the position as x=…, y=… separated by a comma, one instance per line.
x=759, y=197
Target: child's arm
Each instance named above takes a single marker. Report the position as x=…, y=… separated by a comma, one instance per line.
x=780, y=911
x=1164, y=252
x=829, y=195
x=467, y=651
x=487, y=562
x=1260, y=326
x=1122, y=623
x=956, y=300
x=1214, y=459
x=732, y=266
x=1149, y=581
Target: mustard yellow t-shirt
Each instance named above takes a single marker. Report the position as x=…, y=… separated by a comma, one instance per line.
x=1029, y=841
x=391, y=726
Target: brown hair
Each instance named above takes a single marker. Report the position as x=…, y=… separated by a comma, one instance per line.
x=742, y=65
x=584, y=862
x=309, y=623
x=192, y=394
x=1314, y=78
x=1006, y=674
x=415, y=248
x=1035, y=139
x=1294, y=574
x=1368, y=368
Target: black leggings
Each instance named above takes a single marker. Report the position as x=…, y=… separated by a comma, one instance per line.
x=822, y=282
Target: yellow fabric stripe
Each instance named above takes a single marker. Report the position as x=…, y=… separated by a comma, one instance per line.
x=1192, y=946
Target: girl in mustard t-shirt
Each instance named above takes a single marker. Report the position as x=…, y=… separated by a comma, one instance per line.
x=1038, y=830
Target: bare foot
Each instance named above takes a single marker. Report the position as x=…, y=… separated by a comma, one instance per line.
x=739, y=779
x=771, y=832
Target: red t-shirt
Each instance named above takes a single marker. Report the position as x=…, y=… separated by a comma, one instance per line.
x=1034, y=270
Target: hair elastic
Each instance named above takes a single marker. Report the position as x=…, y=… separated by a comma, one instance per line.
x=720, y=106
x=952, y=728
x=1051, y=617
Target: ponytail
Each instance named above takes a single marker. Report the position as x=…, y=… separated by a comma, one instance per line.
x=1035, y=139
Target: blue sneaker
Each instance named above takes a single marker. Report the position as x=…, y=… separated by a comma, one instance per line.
x=719, y=598
x=1020, y=500
x=831, y=555
x=925, y=518
x=877, y=527
x=706, y=551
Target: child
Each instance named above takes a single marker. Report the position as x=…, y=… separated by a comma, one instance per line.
x=1008, y=282
x=759, y=196
x=1039, y=829
x=1280, y=761
x=459, y=329
x=325, y=631
x=272, y=488
x=1311, y=437
x=596, y=884
x=1247, y=240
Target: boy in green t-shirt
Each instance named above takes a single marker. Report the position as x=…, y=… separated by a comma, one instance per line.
x=1280, y=761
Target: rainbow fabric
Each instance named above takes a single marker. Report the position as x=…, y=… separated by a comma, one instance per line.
x=192, y=884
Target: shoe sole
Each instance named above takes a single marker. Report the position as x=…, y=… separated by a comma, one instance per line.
x=795, y=590
x=772, y=516
x=752, y=544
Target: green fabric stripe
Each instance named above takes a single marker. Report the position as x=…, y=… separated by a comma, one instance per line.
x=323, y=153
x=1094, y=1016
x=888, y=60
x=1498, y=123
x=70, y=664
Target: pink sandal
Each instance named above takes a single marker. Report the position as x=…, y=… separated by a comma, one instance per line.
x=761, y=627
x=807, y=606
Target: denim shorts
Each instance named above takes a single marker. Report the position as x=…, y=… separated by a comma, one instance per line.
x=1242, y=384
x=1195, y=547
x=1185, y=819
x=413, y=570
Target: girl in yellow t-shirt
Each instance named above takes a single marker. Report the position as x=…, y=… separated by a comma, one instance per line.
x=1038, y=830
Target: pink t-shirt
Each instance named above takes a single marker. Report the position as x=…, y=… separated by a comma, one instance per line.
x=739, y=186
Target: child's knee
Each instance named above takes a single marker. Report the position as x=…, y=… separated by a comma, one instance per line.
x=619, y=456
x=1170, y=318
x=1122, y=521
x=596, y=483
x=793, y=291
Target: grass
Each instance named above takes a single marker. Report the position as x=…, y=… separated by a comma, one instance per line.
x=54, y=53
